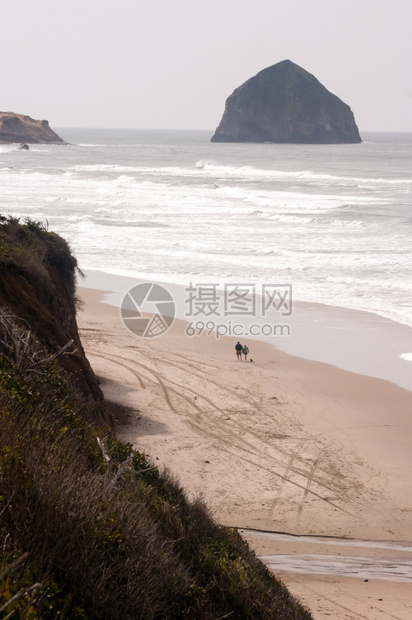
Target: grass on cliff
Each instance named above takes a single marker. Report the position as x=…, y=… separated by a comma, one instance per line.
x=104, y=533
x=38, y=284
x=32, y=251
x=89, y=527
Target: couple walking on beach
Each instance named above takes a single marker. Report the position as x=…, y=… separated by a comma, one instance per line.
x=241, y=349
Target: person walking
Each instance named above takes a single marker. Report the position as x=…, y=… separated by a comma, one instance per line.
x=245, y=351
x=239, y=349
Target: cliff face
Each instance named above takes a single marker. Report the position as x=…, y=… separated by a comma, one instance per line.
x=89, y=527
x=37, y=285
x=286, y=104
x=17, y=128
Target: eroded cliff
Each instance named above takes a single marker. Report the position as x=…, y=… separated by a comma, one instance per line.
x=38, y=285
x=18, y=128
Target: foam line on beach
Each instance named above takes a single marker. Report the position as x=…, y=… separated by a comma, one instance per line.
x=360, y=342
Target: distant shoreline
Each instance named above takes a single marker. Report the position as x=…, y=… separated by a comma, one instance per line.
x=321, y=333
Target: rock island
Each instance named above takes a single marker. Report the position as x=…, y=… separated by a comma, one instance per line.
x=286, y=104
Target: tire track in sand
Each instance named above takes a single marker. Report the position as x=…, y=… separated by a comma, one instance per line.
x=244, y=429
x=200, y=422
x=299, y=469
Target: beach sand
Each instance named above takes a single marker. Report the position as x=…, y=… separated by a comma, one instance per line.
x=280, y=445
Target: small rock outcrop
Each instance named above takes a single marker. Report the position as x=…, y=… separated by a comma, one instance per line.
x=17, y=128
x=286, y=104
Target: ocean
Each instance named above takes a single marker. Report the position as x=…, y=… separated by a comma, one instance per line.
x=332, y=221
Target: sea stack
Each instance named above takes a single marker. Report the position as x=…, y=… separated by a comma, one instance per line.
x=21, y=129
x=286, y=104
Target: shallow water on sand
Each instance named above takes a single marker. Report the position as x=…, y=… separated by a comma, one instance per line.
x=383, y=560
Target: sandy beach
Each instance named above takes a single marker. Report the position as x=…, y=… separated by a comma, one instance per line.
x=312, y=463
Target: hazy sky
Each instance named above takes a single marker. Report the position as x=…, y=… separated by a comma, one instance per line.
x=173, y=63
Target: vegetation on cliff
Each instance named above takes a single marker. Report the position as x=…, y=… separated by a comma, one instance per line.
x=89, y=528
x=38, y=284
